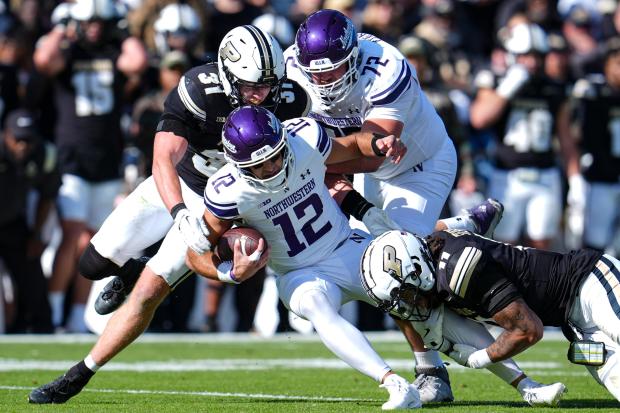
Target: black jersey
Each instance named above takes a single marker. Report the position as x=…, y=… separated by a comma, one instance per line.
x=88, y=94
x=525, y=129
x=478, y=276
x=599, y=119
x=197, y=110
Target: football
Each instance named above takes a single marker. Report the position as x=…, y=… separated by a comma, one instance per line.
x=249, y=242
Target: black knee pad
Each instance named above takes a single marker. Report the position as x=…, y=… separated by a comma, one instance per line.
x=94, y=266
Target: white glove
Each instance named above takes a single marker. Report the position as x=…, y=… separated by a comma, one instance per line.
x=516, y=77
x=469, y=356
x=377, y=222
x=431, y=330
x=194, y=231
x=576, y=197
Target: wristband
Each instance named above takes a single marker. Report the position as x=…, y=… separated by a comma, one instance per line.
x=479, y=359
x=355, y=204
x=373, y=143
x=175, y=209
x=225, y=272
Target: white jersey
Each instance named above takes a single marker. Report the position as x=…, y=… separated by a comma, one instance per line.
x=301, y=223
x=387, y=88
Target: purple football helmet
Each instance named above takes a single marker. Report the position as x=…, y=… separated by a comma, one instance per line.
x=326, y=40
x=250, y=136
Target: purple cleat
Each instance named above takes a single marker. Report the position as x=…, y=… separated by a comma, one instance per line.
x=486, y=216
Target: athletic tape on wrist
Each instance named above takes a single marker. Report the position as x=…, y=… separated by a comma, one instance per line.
x=225, y=272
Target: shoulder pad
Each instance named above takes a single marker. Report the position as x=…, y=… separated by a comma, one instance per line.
x=195, y=85
x=221, y=193
x=386, y=70
x=311, y=132
x=294, y=101
x=462, y=264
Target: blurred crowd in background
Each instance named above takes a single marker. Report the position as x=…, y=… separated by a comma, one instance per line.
x=81, y=95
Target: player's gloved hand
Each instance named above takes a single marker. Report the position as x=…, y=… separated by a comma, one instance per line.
x=469, y=356
x=194, y=231
x=431, y=331
x=378, y=222
x=516, y=77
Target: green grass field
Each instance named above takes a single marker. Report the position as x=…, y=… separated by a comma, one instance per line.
x=249, y=374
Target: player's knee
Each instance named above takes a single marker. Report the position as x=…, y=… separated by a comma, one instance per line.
x=315, y=303
x=148, y=293
x=94, y=266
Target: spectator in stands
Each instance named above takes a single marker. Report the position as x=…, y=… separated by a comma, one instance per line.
x=26, y=163
x=556, y=60
x=439, y=27
x=380, y=18
x=419, y=53
x=89, y=72
x=224, y=16
x=178, y=28
x=142, y=19
x=300, y=9
x=580, y=30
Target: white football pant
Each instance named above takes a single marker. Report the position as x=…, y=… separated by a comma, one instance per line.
x=602, y=214
x=595, y=313
x=532, y=200
x=141, y=220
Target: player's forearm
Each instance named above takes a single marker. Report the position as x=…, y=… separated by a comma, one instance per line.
x=361, y=165
x=168, y=150
x=486, y=112
x=204, y=265
x=48, y=58
x=509, y=344
x=167, y=182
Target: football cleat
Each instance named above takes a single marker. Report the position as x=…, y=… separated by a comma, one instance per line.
x=116, y=291
x=403, y=395
x=544, y=395
x=486, y=216
x=433, y=384
x=63, y=388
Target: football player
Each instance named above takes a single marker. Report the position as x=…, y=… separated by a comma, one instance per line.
x=598, y=101
x=187, y=150
x=358, y=82
x=524, y=108
x=89, y=60
x=520, y=289
x=274, y=182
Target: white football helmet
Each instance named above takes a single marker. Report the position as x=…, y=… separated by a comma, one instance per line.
x=85, y=10
x=249, y=55
x=176, y=20
x=395, y=268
